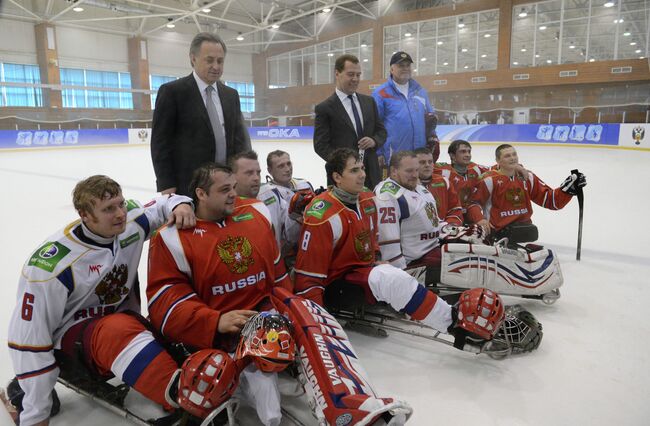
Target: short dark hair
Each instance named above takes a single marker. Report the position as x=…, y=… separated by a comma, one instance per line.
x=202, y=178
x=337, y=161
x=232, y=161
x=497, y=152
x=198, y=40
x=398, y=156
x=276, y=153
x=341, y=60
x=423, y=150
x=453, y=147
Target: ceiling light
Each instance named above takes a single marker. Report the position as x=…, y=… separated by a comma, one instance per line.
x=609, y=4
x=487, y=35
x=484, y=56
x=619, y=21
x=548, y=61
x=515, y=63
x=637, y=51
x=523, y=49
x=170, y=25
x=460, y=23
x=207, y=10
x=542, y=27
x=415, y=70
x=364, y=45
x=464, y=49
x=330, y=54
x=365, y=60
x=592, y=60
x=466, y=66
x=440, y=43
x=537, y=55
x=327, y=10
x=523, y=13
x=641, y=57
x=78, y=9
x=425, y=59
x=572, y=46
x=407, y=34
x=275, y=26
x=633, y=43
x=240, y=38
x=437, y=72
x=445, y=63
x=627, y=33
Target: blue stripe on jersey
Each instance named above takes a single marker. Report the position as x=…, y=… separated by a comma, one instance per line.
x=35, y=373
x=67, y=279
x=140, y=362
x=403, y=208
x=416, y=300
x=144, y=223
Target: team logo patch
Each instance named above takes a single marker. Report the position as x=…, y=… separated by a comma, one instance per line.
x=242, y=217
x=637, y=134
x=130, y=205
x=236, y=252
x=464, y=194
x=389, y=187
x=432, y=214
x=129, y=240
x=318, y=209
x=112, y=287
x=270, y=201
x=48, y=256
x=370, y=209
x=344, y=419
x=516, y=197
x=363, y=246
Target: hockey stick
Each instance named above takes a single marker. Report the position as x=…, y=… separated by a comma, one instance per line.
x=581, y=201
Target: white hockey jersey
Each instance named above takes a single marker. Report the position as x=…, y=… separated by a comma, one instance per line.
x=277, y=199
x=408, y=222
x=68, y=279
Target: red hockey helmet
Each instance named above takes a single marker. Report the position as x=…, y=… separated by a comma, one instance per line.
x=208, y=378
x=481, y=312
x=268, y=339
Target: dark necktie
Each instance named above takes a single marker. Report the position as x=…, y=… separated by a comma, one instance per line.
x=357, y=119
x=217, y=128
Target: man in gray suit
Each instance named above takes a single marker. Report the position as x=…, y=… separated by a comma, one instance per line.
x=350, y=119
x=197, y=119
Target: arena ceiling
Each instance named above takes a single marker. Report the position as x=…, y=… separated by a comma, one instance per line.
x=248, y=25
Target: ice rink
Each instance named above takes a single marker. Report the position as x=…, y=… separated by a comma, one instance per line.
x=592, y=367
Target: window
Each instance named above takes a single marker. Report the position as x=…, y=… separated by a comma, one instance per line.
x=452, y=44
x=569, y=31
x=20, y=96
x=246, y=94
x=315, y=64
x=155, y=81
x=82, y=98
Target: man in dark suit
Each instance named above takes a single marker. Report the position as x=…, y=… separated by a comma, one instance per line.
x=197, y=119
x=350, y=119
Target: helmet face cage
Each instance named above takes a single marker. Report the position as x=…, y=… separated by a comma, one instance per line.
x=208, y=378
x=480, y=312
x=268, y=339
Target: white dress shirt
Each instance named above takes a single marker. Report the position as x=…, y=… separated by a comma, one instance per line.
x=215, y=97
x=348, y=108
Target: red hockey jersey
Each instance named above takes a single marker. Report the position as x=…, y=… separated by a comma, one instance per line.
x=196, y=274
x=464, y=184
x=334, y=240
x=447, y=202
x=504, y=200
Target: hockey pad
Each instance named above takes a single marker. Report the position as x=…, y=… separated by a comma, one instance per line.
x=341, y=296
x=472, y=234
x=336, y=384
x=520, y=331
x=518, y=233
x=15, y=396
x=503, y=270
x=573, y=182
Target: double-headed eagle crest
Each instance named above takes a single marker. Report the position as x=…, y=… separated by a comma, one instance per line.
x=235, y=252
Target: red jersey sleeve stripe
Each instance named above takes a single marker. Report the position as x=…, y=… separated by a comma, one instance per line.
x=35, y=373
x=29, y=348
x=172, y=307
x=160, y=292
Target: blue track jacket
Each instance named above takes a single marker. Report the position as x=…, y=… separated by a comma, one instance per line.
x=403, y=118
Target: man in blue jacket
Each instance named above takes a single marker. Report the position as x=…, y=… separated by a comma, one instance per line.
x=404, y=107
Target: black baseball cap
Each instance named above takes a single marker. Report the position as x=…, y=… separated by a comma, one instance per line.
x=400, y=57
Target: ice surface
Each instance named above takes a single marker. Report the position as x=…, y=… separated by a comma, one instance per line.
x=592, y=367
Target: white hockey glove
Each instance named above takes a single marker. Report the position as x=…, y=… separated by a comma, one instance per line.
x=573, y=182
x=472, y=234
